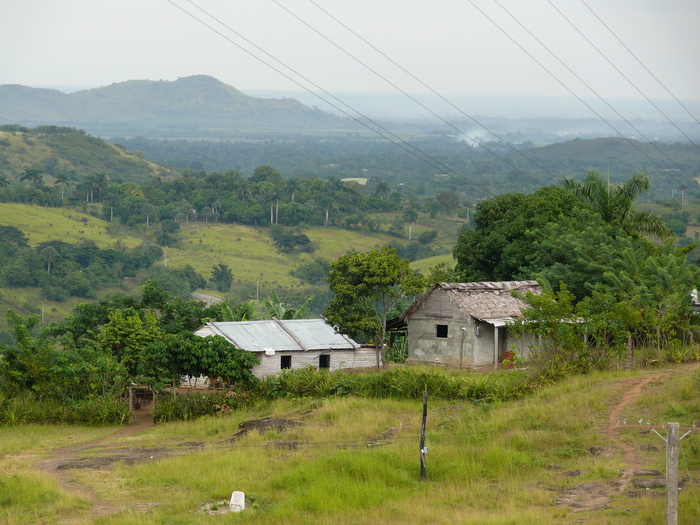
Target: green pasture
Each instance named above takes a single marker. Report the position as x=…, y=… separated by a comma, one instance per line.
x=252, y=255
x=352, y=460
x=68, y=225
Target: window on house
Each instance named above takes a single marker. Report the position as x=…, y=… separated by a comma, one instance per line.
x=324, y=361
x=286, y=362
x=441, y=330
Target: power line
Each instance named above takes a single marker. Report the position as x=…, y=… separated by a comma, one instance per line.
x=560, y=81
x=410, y=96
x=403, y=144
x=640, y=63
x=599, y=97
x=622, y=74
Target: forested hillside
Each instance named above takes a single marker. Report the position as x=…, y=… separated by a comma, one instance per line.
x=448, y=164
x=69, y=153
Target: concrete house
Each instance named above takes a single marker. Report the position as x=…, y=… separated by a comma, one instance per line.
x=290, y=344
x=466, y=324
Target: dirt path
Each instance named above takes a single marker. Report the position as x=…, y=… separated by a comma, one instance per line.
x=597, y=495
x=630, y=456
x=61, y=460
x=209, y=299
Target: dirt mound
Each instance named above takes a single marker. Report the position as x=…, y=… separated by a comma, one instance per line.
x=591, y=495
x=266, y=423
x=128, y=457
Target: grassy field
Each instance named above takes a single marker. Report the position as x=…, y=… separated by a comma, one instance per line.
x=248, y=251
x=41, y=224
x=350, y=460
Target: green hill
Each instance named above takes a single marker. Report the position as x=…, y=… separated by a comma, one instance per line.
x=248, y=251
x=52, y=150
x=190, y=106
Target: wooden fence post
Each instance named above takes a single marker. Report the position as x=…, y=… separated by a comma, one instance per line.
x=422, y=435
x=672, y=431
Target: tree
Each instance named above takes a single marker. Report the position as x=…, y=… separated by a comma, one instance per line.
x=615, y=203
x=448, y=201
x=381, y=190
x=33, y=176
x=62, y=179
x=292, y=186
x=148, y=210
x=100, y=182
x=277, y=309
x=410, y=215
x=498, y=247
x=222, y=277
x=367, y=287
x=49, y=253
x=241, y=312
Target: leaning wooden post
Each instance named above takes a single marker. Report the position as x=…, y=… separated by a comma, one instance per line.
x=672, y=431
x=422, y=435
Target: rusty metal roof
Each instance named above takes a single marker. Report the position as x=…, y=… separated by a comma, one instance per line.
x=482, y=300
x=283, y=335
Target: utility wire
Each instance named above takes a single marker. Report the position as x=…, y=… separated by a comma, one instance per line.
x=640, y=63
x=589, y=87
x=690, y=478
x=560, y=81
x=622, y=74
x=403, y=144
x=410, y=96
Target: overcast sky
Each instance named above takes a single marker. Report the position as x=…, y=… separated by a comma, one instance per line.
x=449, y=44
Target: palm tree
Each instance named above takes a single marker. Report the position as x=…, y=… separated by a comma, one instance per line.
x=50, y=255
x=62, y=179
x=33, y=176
x=615, y=203
x=148, y=210
x=100, y=182
x=292, y=186
x=410, y=215
x=3, y=181
x=381, y=190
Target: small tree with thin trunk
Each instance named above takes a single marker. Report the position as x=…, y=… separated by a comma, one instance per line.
x=367, y=286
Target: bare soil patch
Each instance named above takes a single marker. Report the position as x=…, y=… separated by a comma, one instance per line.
x=63, y=460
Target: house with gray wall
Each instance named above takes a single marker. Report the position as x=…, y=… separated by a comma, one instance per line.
x=291, y=344
x=465, y=325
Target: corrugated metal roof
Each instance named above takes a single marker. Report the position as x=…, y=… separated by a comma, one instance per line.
x=283, y=336
x=482, y=300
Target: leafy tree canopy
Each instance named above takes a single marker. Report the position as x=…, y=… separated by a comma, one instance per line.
x=498, y=247
x=367, y=286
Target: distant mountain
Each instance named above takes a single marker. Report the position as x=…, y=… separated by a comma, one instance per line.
x=196, y=106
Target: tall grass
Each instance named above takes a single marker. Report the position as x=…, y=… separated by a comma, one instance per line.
x=399, y=383
x=97, y=411
x=355, y=459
